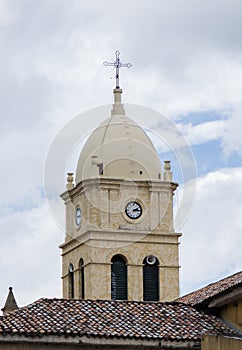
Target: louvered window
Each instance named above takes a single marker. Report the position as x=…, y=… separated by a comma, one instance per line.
x=71, y=281
x=81, y=279
x=118, y=278
x=151, y=278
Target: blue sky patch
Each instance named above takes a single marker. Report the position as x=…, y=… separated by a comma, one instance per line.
x=199, y=117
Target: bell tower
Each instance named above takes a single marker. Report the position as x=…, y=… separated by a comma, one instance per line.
x=120, y=242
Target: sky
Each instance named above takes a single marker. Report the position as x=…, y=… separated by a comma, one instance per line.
x=186, y=64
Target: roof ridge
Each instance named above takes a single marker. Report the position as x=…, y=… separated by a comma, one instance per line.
x=209, y=288
x=222, y=279
x=50, y=300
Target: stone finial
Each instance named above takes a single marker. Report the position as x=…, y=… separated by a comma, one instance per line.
x=70, y=180
x=118, y=106
x=167, y=171
x=10, y=304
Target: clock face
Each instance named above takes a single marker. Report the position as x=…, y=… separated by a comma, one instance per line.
x=133, y=210
x=78, y=216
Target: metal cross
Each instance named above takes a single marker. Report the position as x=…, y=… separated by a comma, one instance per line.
x=117, y=64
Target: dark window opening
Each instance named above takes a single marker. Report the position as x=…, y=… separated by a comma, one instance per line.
x=81, y=279
x=141, y=172
x=118, y=278
x=100, y=168
x=151, y=278
x=71, y=281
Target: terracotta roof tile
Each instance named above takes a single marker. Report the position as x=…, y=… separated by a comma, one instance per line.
x=151, y=320
x=205, y=294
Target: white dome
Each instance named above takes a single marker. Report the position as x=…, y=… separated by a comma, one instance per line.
x=119, y=148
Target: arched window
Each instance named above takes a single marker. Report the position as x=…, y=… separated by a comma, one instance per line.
x=81, y=279
x=118, y=278
x=71, y=281
x=151, y=278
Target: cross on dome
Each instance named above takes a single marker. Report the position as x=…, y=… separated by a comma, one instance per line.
x=117, y=64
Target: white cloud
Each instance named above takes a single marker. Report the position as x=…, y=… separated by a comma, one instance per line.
x=212, y=239
x=22, y=158
x=30, y=258
x=232, y=141
x=8, y=14
x=204, y=132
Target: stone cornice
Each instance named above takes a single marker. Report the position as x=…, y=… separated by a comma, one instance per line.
x=114, y=184
x=127, y=237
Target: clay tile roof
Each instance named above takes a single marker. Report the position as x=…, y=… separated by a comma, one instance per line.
x=150, y=320
x=204, y=295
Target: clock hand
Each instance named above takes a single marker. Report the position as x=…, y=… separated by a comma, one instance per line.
x=136, y=209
